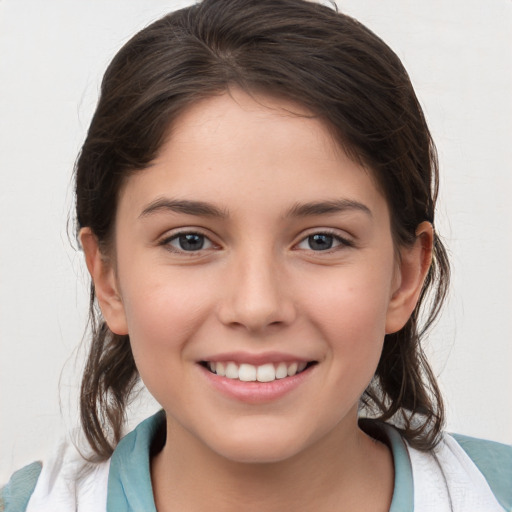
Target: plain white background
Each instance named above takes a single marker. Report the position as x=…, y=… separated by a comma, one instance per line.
x=52, y=55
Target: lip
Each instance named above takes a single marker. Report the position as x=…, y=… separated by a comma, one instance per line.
x=256, y=392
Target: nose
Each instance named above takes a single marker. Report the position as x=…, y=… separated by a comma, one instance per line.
x=257, y=296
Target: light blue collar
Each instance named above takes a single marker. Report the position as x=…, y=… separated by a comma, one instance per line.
x=403, y=491
x=129, y=481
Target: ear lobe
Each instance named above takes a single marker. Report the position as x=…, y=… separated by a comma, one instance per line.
x=412, y=269
x=105, y=283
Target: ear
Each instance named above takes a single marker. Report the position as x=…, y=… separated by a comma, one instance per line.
x=105, y=282
x=411, y=272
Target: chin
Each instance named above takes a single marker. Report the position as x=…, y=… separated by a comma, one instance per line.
x=257, y=454
x=259, y=448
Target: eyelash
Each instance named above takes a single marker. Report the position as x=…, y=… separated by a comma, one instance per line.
x=340, y=241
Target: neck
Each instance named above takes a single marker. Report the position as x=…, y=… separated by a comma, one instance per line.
x=345, y=470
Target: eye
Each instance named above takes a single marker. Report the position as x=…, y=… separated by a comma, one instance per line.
x=323, y=242
x=188, y=242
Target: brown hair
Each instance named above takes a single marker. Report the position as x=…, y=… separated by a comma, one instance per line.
x=310, y=54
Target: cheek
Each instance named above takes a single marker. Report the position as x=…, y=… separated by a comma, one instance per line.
x=351, y=315
x=162, y=314
x=353, y=304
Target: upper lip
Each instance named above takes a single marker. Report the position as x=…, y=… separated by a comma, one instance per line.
x=256, y=358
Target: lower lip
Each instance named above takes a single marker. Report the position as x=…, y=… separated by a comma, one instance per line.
x=256, y=392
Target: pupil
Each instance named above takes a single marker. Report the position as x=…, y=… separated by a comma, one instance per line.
x=191, y=242
x=320, y=242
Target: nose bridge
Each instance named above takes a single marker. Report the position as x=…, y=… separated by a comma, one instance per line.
x=256, y=295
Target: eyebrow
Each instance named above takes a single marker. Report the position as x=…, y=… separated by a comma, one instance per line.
x=327, y=207
x=204, y=209
x=198, y=208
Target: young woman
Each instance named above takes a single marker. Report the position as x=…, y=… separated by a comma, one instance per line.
x=255, y=201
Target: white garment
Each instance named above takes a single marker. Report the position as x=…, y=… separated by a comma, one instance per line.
x=68, y=483
x=447, y=480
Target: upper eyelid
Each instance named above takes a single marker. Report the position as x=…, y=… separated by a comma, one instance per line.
x=171, y=235
x=192, y=230
x=336, y=233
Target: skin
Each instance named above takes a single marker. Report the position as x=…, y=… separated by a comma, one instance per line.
x=259, y=286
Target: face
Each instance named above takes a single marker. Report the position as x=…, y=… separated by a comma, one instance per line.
x=255, y=274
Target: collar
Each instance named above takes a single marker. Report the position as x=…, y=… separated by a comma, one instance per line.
x=129, y=481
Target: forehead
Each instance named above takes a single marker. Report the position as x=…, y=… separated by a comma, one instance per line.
x=237, y=148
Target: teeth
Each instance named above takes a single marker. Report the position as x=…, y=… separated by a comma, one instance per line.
x=220, y=369
x=247, y=373
x=292, y=369
x=266, y=373
x=250, y=373
x=281, y=371
x=232, y=371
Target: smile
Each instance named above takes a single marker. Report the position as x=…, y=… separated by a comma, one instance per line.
x=245, y=372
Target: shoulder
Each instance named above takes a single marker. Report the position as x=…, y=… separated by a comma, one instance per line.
x=15, y=496
x=459, y=474
x=64, y=482
x=494, y=461
x=68, y=481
